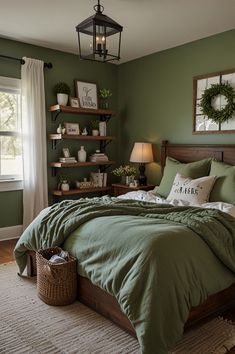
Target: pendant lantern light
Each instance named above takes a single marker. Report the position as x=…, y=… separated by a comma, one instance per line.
x=99, y=37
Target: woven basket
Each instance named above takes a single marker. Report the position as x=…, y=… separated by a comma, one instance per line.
x=56, y=282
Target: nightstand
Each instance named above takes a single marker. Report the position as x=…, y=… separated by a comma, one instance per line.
x=119, y=189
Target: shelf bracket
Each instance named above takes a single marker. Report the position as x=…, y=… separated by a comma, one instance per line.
x=55, y=114
x=53, y=171
x=55, y=142
x=104, y=144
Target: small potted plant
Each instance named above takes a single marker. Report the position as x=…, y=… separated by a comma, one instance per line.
x=105, y=94
x=95, y=127
x=63, y=183
x=126, y=172
x=62, y=91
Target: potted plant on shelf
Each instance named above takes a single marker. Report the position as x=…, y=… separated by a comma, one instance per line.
x=63, y=183
x=105, y=94
x=62, y=91
x=95, y=127
x=126, y=172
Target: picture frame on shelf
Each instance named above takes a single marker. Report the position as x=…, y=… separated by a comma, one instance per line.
x=66, y=152
x=87, y=94
x=72, y=128
x=74, y=102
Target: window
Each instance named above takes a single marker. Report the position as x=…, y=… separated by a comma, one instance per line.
x=11, y=162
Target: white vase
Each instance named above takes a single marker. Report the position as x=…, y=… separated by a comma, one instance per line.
x=82, y=154
x=102, y=128
x=62, y=99
x=64, y=186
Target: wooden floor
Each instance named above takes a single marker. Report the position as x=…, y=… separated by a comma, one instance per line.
x=6, y=255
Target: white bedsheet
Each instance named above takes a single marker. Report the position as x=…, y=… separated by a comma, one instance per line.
x=151, y=197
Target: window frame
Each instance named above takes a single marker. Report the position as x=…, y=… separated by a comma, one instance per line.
x=10, y=182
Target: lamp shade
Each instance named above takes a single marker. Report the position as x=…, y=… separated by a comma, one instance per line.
x=142, y=153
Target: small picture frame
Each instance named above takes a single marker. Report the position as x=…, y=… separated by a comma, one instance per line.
x=87, y=94
x=74, y=102
x=72, y=128
x=66, y=152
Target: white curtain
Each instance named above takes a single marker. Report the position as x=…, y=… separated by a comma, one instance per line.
x=35, y=194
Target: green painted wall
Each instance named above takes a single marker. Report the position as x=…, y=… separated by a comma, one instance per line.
x=66, y=67
x=155, y=95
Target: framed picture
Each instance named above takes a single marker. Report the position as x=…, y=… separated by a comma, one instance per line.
x=72, y=128
x=66, y=152
x=74, y=102
x=87, y=94
x=201, y=123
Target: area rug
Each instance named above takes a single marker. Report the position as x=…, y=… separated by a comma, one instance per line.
x=27, y=325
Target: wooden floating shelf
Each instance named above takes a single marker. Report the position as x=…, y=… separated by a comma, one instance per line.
x=80, y=164
x=88, y=111
x=81, y=191
x=79, y=137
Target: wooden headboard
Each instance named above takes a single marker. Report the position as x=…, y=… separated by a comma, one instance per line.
x=193, y=152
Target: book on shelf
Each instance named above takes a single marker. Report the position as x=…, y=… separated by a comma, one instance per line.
x=68, y=159
x=98, y=157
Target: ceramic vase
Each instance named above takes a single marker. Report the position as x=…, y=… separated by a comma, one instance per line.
x=82, y=154
x=95, y=132
x=64, y=186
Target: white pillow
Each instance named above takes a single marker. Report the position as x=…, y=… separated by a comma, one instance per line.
x=194, y=191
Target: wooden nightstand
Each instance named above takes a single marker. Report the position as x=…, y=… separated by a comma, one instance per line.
x=119, y=189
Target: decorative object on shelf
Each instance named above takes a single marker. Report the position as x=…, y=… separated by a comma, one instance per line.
x=62, y=179
x=87, y=94
x=99, y=179
x=82, y=154
x=64, y=186
x=142, y=153
x=101, y=28
x=102, y=128
x=85, y=132
x=126, y=172
x=74, y=102
x=66, y=152
x=72, y=128
x=105, y=95
x=59, y=129
x=62, y=91
x=213, y=103
x=98, y=157
x=67, y=159
x=95, y=127
x=210, y=94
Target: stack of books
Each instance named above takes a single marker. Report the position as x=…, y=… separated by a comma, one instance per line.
x=98, y=157
x=68, y=159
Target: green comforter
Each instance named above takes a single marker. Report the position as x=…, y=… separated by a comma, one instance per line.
x=158, y=261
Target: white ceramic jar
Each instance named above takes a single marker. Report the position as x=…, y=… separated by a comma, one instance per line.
x=64, y=186
x=82, y=154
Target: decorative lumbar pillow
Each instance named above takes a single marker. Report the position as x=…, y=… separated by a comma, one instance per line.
x=193, y=170
x=224, y=187
x=193, y=191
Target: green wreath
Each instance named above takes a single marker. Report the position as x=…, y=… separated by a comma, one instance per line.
x=218, y=116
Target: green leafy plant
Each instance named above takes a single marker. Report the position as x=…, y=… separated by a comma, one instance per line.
x=62, y=87
x=105, y=93
x=218, y=115
x=95, y=124
x=126, y=170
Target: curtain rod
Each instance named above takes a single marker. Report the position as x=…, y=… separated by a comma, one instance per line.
x=22, y=61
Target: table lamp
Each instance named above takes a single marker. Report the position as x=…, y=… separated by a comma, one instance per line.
x=142, y=153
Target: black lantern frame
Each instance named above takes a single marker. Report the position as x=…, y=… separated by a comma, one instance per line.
x=100, y=27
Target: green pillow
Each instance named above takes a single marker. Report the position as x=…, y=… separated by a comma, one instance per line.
x=224, y=187
x=195, y=169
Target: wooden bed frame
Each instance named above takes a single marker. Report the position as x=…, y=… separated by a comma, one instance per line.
x=107, y=305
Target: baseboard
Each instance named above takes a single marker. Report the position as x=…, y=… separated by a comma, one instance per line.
x=8, y=233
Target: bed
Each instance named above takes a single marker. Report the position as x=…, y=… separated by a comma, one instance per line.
x=102, y=301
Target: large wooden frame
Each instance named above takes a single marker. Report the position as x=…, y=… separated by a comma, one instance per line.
x=107, y=305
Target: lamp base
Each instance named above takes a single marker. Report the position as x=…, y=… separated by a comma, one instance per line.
x=142, y=177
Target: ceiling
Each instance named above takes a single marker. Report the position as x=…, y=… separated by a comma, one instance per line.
x=149, y=25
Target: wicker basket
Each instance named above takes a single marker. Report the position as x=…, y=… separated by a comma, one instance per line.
x=56, y=282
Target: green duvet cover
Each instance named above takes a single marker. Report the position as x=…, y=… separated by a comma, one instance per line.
x=157, y=260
